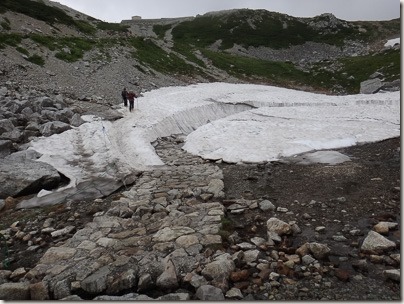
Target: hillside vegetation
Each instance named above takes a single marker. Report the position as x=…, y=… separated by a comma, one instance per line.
x=318, y=54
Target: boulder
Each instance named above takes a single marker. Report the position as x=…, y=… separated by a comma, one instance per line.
x=278, y=226
x=319, y=251
x=26, y=177
x=15, y=135
x=222, y=267
x=76, y=120
x=394, y=85
x=6, y=126
x=371, y=86
x=14, y=291
x=266, y=205
x=375, y=242
x=53, y=127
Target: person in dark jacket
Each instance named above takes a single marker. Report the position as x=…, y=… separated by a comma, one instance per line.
x=125, y=97
x=131, y=99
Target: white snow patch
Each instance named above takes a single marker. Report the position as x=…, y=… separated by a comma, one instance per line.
x=233, y=122
x=392, y=42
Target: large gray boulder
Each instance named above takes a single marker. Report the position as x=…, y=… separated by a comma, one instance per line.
x=24, y=177
x=76, y=120
x=54, y=127
x=375, y=242
x=6, y=126
x=371, y=86
x=392, y=86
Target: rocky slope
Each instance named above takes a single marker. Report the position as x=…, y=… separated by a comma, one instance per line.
x=82, y=57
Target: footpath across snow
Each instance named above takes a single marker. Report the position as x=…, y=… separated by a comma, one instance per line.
x=233, y=122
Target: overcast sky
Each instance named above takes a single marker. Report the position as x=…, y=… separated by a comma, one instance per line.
x=351, y=10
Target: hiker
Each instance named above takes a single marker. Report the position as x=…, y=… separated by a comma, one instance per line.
x=131, y=98
x=125, y=97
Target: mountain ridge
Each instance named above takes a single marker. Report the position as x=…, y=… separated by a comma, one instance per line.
x=319, y=54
